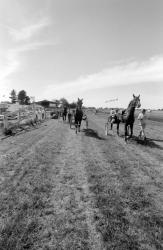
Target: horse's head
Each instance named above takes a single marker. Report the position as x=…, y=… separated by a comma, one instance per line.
x=136, y=101
x=79, y=103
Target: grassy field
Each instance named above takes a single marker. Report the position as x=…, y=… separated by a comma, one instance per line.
x=155, y=116
x=87, y=191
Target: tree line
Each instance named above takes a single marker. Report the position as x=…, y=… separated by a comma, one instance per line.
x=23, y=99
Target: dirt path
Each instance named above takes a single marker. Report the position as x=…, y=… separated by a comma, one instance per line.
x=60, y=190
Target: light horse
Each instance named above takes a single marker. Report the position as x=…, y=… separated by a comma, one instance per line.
x=128, y=116
x=78, y=115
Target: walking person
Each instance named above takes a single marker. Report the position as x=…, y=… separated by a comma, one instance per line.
x=85, y=118
x=69, y=116
x=64, y=113
x=142, y=124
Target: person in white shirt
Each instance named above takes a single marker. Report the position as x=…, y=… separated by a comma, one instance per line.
x=142, y=123
x=111, y=116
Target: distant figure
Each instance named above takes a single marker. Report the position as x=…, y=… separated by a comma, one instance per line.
x=112, y=114
x=64, y=113
x=142, y=124
x=69, y=116
x=85, y=118
x=114, y=118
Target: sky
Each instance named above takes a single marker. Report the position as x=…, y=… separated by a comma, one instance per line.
x=98, y=50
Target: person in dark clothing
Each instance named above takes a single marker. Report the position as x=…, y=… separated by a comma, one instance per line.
x=64, y=114
x=69, y=116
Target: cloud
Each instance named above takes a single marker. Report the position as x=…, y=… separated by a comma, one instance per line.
x=12, y=57
x=11, y=65
x=122, y=74
x=25, y=33
x=33, y=46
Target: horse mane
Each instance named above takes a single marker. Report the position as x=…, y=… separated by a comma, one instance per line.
x=131, y=104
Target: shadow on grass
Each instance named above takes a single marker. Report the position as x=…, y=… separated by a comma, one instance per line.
x=91, y=133
x=152, y=139
x=147, y=143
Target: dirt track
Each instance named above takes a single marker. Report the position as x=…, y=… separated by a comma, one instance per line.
x=60, y=190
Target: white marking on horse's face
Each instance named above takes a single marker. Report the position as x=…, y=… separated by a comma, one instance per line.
x=138, y=103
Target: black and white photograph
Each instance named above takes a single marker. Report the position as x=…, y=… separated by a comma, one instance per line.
x=81, y=124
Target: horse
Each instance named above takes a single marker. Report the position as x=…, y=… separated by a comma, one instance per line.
x=78, y=115
x=128, y=116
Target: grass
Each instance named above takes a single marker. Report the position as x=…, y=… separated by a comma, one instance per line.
x=24, y=201
x=42, y=205
x=23, y=210
x=38, y=209
x=129, y=218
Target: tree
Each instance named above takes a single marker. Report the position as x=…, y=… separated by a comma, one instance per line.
x=27, y=100
x=72, y=105
x=64, y=102
x=13, y=96
x=22, y=97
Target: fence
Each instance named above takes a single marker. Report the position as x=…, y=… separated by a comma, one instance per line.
x=10, y=121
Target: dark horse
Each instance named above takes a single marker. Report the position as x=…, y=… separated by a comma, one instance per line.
x=128, y=116
x=78, y=115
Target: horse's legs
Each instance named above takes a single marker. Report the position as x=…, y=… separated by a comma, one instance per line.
x=76, y=128
x=111, y=125
x=126, y=131
x=118, y=128
x=131, y=128
x=79, y=124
